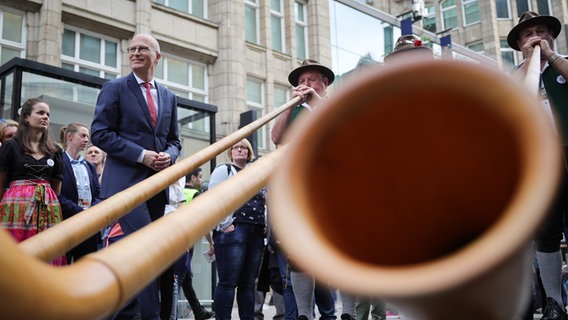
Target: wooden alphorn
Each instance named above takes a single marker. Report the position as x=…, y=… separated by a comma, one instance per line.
x=531, y=80
x=422, y=185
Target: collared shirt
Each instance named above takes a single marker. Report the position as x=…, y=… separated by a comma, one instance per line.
x=298, y=109
x=153, y=90
x=82, y=179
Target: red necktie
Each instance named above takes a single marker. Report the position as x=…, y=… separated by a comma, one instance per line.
x=151, y=103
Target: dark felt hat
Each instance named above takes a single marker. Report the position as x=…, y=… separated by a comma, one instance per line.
x=406, y=43
x=529, y=19
x=310, y=64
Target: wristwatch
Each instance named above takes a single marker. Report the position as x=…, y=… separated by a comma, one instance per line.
x=553, y=58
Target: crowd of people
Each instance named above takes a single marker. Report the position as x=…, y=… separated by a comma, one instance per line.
x=134, y=134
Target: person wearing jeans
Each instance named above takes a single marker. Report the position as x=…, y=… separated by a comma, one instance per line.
x=290, y=310
x=238, y=242
x=238, y=255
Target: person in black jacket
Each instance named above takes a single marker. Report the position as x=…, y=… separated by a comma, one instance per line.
x=541, y=30
x=80, y=188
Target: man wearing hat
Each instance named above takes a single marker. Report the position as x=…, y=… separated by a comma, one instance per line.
x=532, y=30
x=310, y=81
x=408, y=48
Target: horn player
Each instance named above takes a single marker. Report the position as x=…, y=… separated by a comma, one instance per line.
x=531, y=31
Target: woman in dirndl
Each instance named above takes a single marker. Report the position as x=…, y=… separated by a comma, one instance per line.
x=31, y=172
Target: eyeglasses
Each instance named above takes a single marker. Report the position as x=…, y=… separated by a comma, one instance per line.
x=140, y=49
x=239, y=147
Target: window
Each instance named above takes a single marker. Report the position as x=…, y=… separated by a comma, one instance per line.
x=470, y=12
x=477, y=47
x=543, y=7
x=69, y=101
x=90, y=54
x=301, y=30
x=195, y=7
x=251, y=21
x=449, y=14
x=503, y=9
x=277, y=25
x=12, y=35
x=255, y=101
x=507, y=55
x=350, y=43
x=187, y=79
x=389, y=39
x=281, y=95
x=522, y=6
x=429, y=21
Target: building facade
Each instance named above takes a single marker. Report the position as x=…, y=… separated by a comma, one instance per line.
x=481, y=26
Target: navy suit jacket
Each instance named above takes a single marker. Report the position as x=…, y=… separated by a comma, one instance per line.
x=123, y=128
x=68, y=198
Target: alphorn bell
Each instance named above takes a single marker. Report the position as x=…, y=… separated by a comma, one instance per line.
x=423, y=185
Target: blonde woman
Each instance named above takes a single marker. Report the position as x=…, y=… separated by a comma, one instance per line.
x=238, y=242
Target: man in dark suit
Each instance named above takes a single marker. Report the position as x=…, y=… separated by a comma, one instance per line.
x=135, y=123
x=80, y=188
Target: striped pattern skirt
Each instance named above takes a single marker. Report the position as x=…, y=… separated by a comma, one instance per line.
x=29, y=207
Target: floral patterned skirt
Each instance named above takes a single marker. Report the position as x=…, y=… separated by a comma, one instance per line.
x=29, y=207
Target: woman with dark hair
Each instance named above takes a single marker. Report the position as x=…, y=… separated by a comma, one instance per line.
x=238, y=242
x=31, y=164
